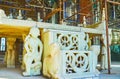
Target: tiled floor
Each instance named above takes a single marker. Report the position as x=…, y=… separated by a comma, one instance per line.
x=16, y=73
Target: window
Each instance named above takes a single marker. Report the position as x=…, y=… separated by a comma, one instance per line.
x=2, y=44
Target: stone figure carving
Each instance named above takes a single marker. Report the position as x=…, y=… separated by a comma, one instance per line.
x=20, y=15
x=10, y=16
x=10, y=53
x=96, y=51
x=104, y=64
x=110, y=36
x=2, y=14
x=84, y=21
x=104, y=57
x=33, y=47
x=51, y=63
x=102, y=26
x=84, y=39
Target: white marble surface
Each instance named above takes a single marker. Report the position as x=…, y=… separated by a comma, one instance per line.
x=26, y=23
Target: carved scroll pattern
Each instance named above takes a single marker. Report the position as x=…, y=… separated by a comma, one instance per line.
x=68, y=41
x=76, y=62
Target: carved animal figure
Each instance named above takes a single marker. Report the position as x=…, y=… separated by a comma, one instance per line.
x=51, y=64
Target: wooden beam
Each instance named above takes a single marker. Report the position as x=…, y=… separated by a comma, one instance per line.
x=51, y=14
x=16, y=7
x=113, y=2
x=81, y=10
x=108, y=46
x=84, y=14
x=39, y=6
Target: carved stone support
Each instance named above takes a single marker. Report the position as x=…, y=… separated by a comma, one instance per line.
x=96, y=51
x=51, y=63
x=10, y=53
x=104, y=57
x=32, y=58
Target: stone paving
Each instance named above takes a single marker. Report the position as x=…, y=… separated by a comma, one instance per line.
x=115, y=72
x=16, y=73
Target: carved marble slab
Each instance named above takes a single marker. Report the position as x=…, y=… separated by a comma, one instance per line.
x=76, y=63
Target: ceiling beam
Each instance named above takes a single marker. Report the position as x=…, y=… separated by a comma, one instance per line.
x=51, y=14
x=113, y=2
